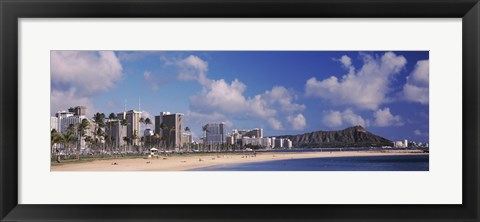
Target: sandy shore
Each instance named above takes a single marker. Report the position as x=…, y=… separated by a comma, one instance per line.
x=186, y=162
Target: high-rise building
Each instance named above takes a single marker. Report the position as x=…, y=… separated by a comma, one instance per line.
x=173, y=130
x=54, y=123
x=78, y=110
x=66, y=119
x=133, y=127
x=117, y=132
x=254, y=133
x=158, y=122
x=215, y=133
x=187, y=138
x=289, y=144
x=279, y=143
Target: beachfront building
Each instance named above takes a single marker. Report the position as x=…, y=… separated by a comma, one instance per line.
x=172, y=128
x=238, y=135
x=133, y=126
x=215, y=133
x=78, y=110
x=117, y=133
x=261, y=142
x=400, y=144
x=54, y=123
x=289, y=144
x=63, y=119
x=278, y=143
x=229, y=140
x=187, y=138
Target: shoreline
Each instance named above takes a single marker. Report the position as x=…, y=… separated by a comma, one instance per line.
x=192, y=161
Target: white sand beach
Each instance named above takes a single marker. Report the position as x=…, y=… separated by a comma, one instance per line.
x=193, y=161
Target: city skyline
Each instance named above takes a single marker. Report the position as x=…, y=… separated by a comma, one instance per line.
x=281, y=92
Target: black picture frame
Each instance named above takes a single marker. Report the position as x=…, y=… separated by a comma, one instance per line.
x=11, y=11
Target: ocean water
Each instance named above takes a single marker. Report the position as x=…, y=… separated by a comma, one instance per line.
x=361, y=163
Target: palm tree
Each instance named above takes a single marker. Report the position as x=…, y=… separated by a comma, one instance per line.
x=71, y=129
x=67, y=139
x=205, y=129
x=135, y=137
x=164, y=128
x=157, y=139
x=124, y=122
x=163, y=139
x=81, y=130
x=127, y=141
x=99, y=119
x=148, y=122
x=111, y=118
x=169, y=136
x=55, y=138
x=187, y=129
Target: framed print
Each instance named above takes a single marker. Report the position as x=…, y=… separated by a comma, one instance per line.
x=228, y=110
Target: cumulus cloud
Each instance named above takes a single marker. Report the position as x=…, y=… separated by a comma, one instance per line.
x=228, y=97
x=62, y=100
x=417, y=86
x=193, y=68
x=282, y=97
x=275, y=123
x=220, y=96
x=346, y=61
x=89, y=72
x=384, y=118
x=345, y=118
x=77, y=75
x=297, y=122
x=366, y=88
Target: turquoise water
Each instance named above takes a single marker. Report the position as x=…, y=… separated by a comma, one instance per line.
x=361, y=163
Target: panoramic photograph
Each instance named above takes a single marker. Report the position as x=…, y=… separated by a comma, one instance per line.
x=239, y=110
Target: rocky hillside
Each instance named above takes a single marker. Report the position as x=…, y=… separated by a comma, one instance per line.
x=355, y=136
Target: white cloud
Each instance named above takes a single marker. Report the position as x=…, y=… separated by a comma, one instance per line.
x=345, y=118
x=282, y=97
x=275, y=124
x=383, y=118
x=88, y=72
x=366, y=88
x=333, y=119
x=62, y=100
x=346, y=61
x=220, y=96
x=193, y=68
x=77, y=75
x=417, y=87
x=227, y=98
x=297, y=122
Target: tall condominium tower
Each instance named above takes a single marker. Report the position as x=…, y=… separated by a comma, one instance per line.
x=78, y=110
x=173, y=129
x=133, y=127
x=215, y=133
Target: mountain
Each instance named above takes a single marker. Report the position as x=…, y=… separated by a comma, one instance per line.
x=355, y=136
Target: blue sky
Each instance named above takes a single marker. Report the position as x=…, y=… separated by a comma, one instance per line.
x=283, y=92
